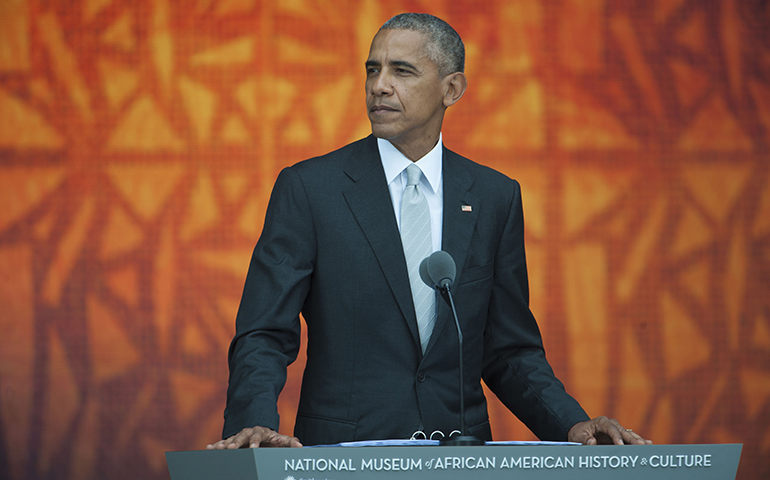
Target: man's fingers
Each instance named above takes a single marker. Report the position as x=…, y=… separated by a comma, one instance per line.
x=629, y=436
x=294, y=442
x=255, y=441
x=604, y=431
x=248, y=436
x=240, y=439
x=275, y=439
x=257, y=437
x=632, y=437
x=617, y=432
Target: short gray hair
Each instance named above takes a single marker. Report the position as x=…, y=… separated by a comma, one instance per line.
x=445, y=47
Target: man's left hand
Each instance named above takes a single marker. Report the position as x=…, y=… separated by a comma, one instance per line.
x=604, y=431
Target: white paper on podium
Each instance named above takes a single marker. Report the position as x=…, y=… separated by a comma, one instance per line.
x=418, y=443
x=530, y=443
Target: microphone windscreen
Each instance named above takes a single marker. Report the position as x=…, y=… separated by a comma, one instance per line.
x=438, y=270
x=424, y=273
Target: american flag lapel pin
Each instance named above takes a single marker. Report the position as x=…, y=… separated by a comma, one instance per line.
x=466, y=208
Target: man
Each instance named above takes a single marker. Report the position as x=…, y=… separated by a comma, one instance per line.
x=337, y=245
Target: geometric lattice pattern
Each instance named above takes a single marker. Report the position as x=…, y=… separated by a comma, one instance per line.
x=139, y=141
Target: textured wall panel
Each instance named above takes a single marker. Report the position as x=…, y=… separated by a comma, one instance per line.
x=139, y=141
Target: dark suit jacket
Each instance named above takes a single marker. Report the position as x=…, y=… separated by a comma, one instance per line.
x=331, y=248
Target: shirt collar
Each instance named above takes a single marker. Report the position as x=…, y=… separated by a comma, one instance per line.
x=394, y=162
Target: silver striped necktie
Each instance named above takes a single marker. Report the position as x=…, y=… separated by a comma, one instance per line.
x=416, y=238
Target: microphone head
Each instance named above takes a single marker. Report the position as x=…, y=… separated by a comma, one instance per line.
x=438, y=270
x=424, y=275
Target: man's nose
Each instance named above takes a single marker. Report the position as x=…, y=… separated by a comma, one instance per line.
x=382, y=84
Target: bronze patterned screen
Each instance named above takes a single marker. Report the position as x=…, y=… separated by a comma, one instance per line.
x=139, y=141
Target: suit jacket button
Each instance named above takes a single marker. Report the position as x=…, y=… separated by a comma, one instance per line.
x=421, y=377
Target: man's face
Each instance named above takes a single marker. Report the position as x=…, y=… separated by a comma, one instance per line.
x=404, y=94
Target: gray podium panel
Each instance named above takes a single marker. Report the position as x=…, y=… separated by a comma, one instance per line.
x=630, y=462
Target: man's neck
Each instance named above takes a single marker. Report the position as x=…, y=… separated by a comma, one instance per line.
x=417, y=149
x=394, y=162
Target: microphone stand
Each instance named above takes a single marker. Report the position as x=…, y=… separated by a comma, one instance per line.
x=464, y=439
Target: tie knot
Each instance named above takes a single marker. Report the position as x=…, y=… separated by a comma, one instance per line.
x=413, y=173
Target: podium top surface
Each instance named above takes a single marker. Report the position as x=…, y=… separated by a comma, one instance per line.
x=701, y=462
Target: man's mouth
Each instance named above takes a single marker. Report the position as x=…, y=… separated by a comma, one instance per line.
x=381, y=109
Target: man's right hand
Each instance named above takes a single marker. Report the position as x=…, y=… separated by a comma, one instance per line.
x=255, y=437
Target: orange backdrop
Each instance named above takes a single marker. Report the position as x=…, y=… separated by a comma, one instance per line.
x=139, y=141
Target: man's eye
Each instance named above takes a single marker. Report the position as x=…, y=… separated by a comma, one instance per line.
x=372, y=71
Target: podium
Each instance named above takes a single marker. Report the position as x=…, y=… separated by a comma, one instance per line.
x=630, y=462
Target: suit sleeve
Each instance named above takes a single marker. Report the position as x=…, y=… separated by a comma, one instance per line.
x=267, y=327
x=515, y=366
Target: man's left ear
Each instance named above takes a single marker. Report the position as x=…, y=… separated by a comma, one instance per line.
x=455, y=85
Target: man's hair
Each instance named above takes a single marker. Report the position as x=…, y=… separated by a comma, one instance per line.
x=445, y=47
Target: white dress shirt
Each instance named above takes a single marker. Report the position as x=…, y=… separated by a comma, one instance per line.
x=431, y=182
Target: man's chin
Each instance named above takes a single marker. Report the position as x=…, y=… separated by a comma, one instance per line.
x=383, y=132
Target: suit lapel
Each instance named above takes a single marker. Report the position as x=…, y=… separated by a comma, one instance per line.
x=458, y=226
x=369, y=201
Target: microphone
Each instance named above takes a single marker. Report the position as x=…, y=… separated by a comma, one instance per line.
x=438, y=271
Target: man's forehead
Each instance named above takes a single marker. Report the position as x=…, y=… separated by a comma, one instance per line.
x=402, y=42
